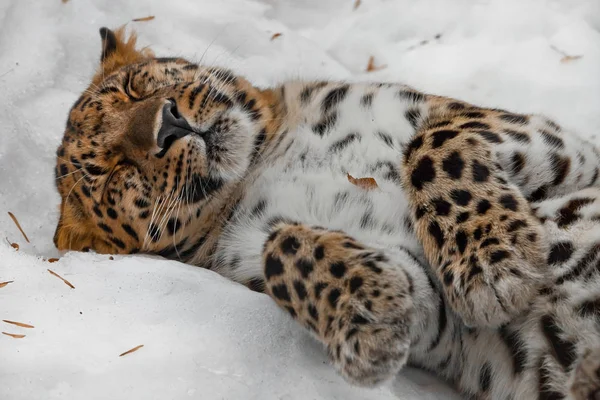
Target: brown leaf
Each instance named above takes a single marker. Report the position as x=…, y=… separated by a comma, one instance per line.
x=52, y=260
x=567, y=59
x=364, y=183
x=2, y=284
x=144, y=19
x=371, y=65
x=136, y=348
x=13, y=245
x=65, y=1
x=276, y=35
x=356, y=4
x=14, y=335
x=111, y=258
x=22, y=325
x=18, y=225
x=61, y=278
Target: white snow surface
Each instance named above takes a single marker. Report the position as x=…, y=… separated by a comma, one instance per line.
x=205, y=337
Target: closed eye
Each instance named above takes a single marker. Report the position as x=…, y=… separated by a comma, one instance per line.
x=132, y=94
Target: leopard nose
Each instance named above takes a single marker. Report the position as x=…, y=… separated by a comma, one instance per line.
x=173, y=126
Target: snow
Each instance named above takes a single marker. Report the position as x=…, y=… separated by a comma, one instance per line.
x=203, y=336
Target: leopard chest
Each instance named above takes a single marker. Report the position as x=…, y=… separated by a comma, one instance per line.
x=309, y=183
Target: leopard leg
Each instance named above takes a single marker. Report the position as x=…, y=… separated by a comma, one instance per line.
x=568, y=307
x=352, y=298
x=477, y=230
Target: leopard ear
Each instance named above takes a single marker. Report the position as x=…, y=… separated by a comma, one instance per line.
x=109, y=42
x=118, y=50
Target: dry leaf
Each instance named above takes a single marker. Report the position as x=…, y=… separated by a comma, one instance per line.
x=371, y=65
x=65, y=1
x=61, y=278
x=14, y=335
x=18, y=225
x=356, y=4
x=144, y=19
x=22, y=325
x=2, y=284
x=13, y=245
x=52, y=260
x=136, y=348
x=276, y=35
x=567, y=59
x=111, y=258
x=364, y=183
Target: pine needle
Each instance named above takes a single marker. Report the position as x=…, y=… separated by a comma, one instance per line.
x=144, y=19
x=61, y=278
x=18, y=225
x=567, y=59
x=14, y=335
x=136, y=348
x=22, y=325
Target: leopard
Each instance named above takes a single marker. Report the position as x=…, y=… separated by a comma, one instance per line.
x=399, y=228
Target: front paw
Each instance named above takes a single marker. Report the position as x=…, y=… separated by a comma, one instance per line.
x=370, y=341
x=351, y=297
x=497, y=273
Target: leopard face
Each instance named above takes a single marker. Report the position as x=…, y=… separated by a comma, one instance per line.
x=150, y=147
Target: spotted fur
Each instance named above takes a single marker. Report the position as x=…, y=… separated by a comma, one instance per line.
x=477, y=229
x=476, y=257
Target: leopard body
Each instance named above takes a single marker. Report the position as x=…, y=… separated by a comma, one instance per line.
x=473, y=255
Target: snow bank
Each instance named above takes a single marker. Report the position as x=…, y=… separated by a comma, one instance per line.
x=205, y=337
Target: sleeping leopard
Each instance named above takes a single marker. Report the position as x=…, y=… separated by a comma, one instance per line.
x=475, y=255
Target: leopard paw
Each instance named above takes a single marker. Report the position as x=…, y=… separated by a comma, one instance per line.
x=477, y=230
x=372, y=339
x=351, y=297
x=495, y=277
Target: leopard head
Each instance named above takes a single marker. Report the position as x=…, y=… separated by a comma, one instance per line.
x=152, y=149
